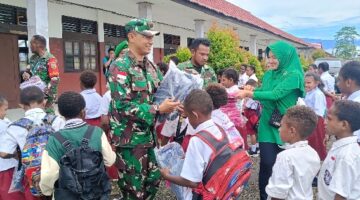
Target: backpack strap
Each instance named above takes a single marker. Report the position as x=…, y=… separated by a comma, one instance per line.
x=64, y=142
x=23, y=123
x=49, y=118
x=87, y=136
x=215, y=144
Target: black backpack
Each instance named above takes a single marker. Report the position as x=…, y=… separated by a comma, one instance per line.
x=82, y=172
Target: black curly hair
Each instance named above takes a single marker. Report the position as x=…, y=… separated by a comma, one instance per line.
x=302, y=118
x=88, y=79
x=218, y=95
x=71, y=104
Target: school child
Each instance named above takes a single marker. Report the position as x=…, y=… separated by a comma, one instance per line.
x=7, y=166
x=92, y=98
x=201, y=151
x=315, y=99
x=339, y=175
x=69, y=144
x=252, y=111
x=32, y=101
x=296, y=166
x=229, y=80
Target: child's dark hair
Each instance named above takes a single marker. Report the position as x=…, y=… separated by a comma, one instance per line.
x=198, y=100
x=2, y=100
x=220, y=72
x=218, y=95
x=316, y=78
x=251, y=82
x=111, y=49
x=252, y=67
x=88, y=79
x=31, y=95
x=346, y=110
x=313, y=66
x=324, y=66
x=163, y=67
x=302, y=118
x=351, y=70
x=71, y=104
x=175, y=59
x=231, y=74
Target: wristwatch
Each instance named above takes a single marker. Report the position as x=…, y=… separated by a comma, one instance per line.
x=157, y=109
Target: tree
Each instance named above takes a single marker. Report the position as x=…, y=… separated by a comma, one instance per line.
x=345, y=42
x=318, y=53
x=225, y=51
x=182, y=53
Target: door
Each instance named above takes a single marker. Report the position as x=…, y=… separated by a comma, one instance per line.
x=9, y=69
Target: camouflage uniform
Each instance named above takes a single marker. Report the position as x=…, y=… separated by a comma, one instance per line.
x=207, y=73
x=46, y=67
x=132, y=114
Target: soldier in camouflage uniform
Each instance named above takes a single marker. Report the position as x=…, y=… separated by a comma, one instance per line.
x=200, y=49
x=44, y=65
x=133, y=80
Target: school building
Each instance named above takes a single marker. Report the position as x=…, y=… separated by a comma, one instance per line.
x=79, y=32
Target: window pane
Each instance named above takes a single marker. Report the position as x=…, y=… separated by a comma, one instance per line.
x=93, y=63
x=86, y=48
x=93, y=50
x=69, y=63
x=87, y=63
x=68, y=48
x=77, y=63
x=22, y=43
x=76, y=48
x=23, y=61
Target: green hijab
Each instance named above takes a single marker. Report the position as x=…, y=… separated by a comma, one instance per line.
x=289, y=63
x=121, y=46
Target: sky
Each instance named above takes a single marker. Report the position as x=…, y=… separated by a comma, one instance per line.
x=316, y=19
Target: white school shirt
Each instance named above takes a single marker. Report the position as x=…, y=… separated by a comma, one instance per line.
x=6, y=164
x=243, y=78
x=105, y=103
x=293, y=172
x=355, y=96
x=340, y=172
x=232, y=89
x=315, y=99
x=253, y=77
x=329, y=82
x=197, y=156
x=16, y=135
x=92, y=100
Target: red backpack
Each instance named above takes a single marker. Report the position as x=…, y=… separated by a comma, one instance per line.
x=227, y=172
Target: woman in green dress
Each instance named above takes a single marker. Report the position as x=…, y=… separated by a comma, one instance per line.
x=282, y=85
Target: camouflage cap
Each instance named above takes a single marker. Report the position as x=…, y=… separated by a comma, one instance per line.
x=142, y=26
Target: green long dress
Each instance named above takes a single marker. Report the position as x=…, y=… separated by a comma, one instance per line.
x=280, y=89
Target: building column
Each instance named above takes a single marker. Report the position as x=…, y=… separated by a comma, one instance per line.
x=199, y=28
x=37, y=19
x=102, y=50
x=145, y=11
x=252, y=45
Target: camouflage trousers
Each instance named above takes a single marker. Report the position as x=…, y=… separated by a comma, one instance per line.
x=139, y=175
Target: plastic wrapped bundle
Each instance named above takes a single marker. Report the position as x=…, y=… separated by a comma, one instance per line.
x=176, y=84
x=171, y=156
x=33, y=81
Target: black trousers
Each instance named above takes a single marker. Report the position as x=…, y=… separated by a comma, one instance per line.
x=268, y=153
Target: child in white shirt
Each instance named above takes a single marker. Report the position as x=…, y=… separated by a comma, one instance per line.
x=7, y=166
x=296, y=166
x=92, y=98
x=339, y=176
x=198, y=107
x=32, y=101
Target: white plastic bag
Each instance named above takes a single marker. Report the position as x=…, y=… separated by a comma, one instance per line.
x=171, y=156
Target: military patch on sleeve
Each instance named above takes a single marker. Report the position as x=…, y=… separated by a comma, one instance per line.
x=53, y=69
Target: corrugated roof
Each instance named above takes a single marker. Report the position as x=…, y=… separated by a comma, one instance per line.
x=231, y=10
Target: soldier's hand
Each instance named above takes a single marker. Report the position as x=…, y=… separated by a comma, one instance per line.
x=168, y=106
